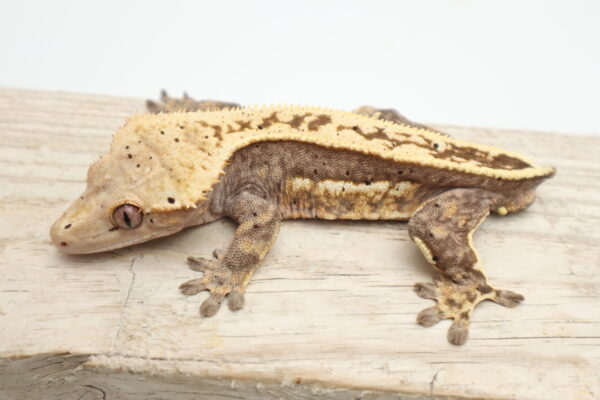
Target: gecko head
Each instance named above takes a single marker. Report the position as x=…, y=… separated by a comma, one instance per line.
x=111, y=213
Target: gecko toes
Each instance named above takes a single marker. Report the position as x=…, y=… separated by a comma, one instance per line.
x=429, y=316
x=236, y=301
x=458, y=332
x=426, y=290
x=211, y=305
x=191, y=287
x=508, y=298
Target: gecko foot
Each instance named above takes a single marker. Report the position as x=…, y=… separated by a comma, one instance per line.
x=457, y=301
x=219, y=281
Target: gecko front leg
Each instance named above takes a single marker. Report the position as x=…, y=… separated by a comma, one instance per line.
x=228, y=275
x=442, y=229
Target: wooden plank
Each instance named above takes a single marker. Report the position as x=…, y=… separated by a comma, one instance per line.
x=330, y=314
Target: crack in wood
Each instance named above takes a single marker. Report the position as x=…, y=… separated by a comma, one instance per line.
x=129, y=290
x=98, y=389
x=432, y=383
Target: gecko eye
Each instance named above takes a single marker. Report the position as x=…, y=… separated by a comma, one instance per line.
x=127, y=216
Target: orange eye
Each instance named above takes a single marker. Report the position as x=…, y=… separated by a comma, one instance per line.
x=127, y=216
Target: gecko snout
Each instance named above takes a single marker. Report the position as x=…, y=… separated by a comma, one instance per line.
x=64, y=237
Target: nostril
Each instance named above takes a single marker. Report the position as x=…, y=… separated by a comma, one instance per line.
x=67, y=226
x=64, y=244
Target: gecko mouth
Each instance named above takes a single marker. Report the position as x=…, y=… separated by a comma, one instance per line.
x=72, y=247
x=134, y=241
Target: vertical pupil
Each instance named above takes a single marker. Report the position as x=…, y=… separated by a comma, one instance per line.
x=126, y=218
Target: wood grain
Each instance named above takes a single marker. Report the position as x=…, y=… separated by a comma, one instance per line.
x=330, y=314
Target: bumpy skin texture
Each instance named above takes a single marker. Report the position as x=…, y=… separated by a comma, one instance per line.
x=269, y=181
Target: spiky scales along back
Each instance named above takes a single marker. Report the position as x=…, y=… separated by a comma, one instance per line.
x=173, y=160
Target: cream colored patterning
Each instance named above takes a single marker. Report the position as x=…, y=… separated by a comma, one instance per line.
x=341, y=199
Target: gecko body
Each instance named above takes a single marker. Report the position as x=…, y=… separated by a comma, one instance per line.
x=260, y=165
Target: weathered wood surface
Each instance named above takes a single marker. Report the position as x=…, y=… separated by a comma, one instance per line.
x=330, y=314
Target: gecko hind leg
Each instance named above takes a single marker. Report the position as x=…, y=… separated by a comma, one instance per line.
x=442, y=230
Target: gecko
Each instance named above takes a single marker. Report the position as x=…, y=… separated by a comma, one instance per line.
x=187, y=163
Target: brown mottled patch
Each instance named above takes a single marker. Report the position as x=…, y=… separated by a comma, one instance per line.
x=297, y=120
x=270, y=120
x=391, y=141
x=378, y=134
x=451, y=302
x=321, y=120
x=509, y=162
x=452, y=152
x=484, y=288
x=216, y=129
x=460, y=154
x=243, y=125
x=464, y=315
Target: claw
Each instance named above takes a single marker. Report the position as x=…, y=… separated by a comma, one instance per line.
x=193, y=286
x=429, y=316
x=211, y=305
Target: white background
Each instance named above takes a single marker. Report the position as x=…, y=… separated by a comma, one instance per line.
x=514, y=64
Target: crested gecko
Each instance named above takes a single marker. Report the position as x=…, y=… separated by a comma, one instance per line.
x=190, y=162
